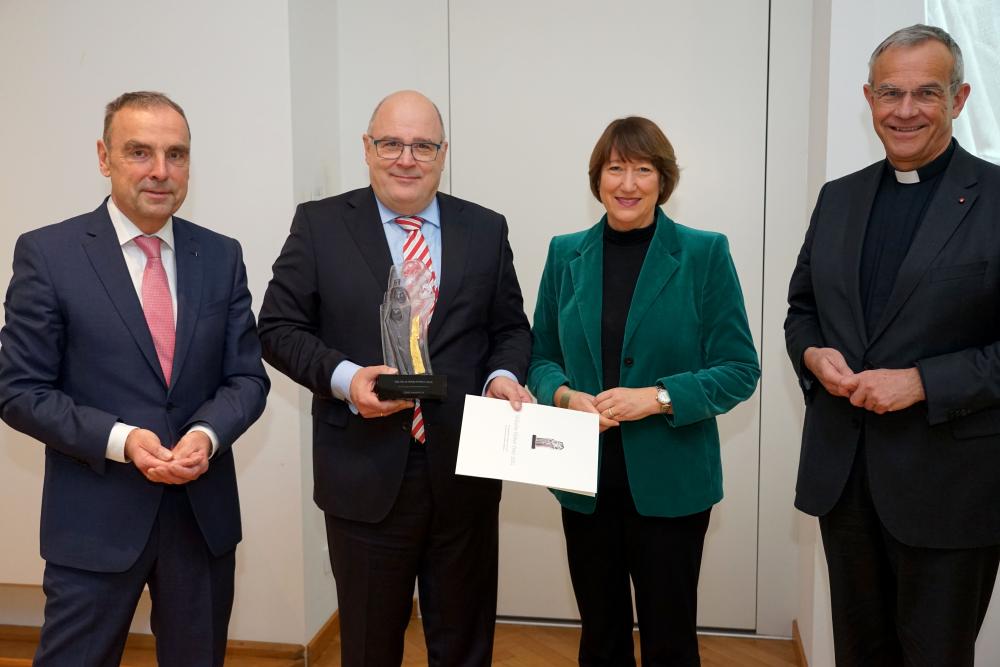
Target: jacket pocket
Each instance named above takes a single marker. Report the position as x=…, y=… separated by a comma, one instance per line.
x=330, y=411
x=957, y=271
x=977, y=424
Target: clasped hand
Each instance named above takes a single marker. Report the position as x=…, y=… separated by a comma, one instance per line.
x=614, y=405
x=186, y=462
x=880, y=390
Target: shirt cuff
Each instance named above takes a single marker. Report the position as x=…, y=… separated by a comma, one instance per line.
x=498, y=374
x=116, y=442
x=340, y=382
x=207, y=430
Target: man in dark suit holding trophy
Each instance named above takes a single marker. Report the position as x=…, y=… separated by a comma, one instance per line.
x=384, y=469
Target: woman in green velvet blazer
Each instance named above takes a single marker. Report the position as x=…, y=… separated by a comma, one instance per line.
x=641, y=320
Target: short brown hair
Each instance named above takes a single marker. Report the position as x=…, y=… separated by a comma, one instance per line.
x=635, y=138
x=143, y=99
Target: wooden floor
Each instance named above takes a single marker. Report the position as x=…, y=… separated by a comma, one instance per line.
x=516, y=646
x=535, y=646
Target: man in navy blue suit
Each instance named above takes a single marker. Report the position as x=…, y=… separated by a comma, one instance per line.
x=130, y=352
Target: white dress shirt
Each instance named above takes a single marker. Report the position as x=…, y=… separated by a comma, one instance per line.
x=135, y=260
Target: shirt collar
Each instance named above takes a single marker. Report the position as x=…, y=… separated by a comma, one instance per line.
x=431, y=214
x=126, y=230
x=929, y=170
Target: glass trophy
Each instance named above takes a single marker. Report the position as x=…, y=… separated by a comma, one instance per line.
x=404, y=315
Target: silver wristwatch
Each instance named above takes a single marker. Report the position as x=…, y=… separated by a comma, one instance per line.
x=663, y=398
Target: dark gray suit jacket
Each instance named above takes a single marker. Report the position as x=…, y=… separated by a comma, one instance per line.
x=934, y=467
x=321, y=307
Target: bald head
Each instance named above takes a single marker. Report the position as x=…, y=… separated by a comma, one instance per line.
x=407, y=98
x=402, y=182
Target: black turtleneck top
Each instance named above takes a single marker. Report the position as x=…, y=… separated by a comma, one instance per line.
x=624, y=253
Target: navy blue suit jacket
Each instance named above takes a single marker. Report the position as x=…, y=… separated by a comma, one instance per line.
x=77, y=356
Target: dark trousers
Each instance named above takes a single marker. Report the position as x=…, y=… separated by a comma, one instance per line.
x=451, y=554
x=663, y=558
x=895, y=604
x=87, y=614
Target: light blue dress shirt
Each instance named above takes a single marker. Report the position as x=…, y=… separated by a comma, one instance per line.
x=395, y=236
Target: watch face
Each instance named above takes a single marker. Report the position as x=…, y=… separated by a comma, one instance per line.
x=662, y=397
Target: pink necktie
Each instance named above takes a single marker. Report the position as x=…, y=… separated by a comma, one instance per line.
x=157, y=304
x=415, y=248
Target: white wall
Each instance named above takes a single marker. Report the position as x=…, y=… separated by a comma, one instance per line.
x=841, y=141
x=316, y=140
x=786, y=205
x=278, y=94
x=229, y=67
x=524, y=122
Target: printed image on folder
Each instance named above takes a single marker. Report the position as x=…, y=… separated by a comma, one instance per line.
x=538, y=444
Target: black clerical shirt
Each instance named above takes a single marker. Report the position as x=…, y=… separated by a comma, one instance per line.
x=896, y=215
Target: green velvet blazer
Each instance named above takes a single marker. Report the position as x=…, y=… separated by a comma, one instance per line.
x=686, y=329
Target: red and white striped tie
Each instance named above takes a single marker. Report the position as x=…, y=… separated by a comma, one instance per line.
x=415, y=248
x=157, y=304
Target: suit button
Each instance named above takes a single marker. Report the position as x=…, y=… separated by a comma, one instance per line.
x=628, y=361
x=170, y=406
x=405, y=428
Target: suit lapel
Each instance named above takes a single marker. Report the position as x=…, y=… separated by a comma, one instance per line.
x=365, y=226
x=455, y=234
x=953, y=200
x=657, y=269
x=856, y=226
x=587, y=273
x=105, y=255
x=187, y=255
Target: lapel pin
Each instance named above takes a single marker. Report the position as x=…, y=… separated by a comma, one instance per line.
x=961, y=200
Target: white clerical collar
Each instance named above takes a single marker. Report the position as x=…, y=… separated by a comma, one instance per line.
x=907, y=177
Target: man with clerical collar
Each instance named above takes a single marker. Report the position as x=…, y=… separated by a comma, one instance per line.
x=396, y=512
x=893, y=328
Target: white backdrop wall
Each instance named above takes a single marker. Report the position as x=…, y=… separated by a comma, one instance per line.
x=278, y=94
x=841, y=141
x=524, y=121
x=227, y=63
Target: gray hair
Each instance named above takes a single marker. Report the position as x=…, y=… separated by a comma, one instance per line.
x=918, y=34
x=142, y=99
x=371, y=121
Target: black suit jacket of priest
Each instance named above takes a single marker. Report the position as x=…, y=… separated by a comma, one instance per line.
x=934, y=468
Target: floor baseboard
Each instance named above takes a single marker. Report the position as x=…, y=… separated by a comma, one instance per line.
x=800, y=652
x=235, y=647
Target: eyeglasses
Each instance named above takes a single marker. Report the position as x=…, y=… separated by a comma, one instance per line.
x=926, y=96
x=391, y=149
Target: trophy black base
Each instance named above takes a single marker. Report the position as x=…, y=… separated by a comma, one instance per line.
x=409, y=387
